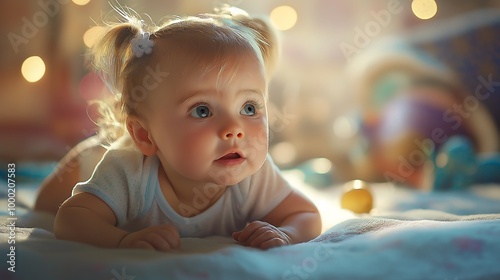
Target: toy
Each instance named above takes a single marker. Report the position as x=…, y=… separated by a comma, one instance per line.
x=456, y=166
x=357, y=197
x=318, y=172
x=413, y=90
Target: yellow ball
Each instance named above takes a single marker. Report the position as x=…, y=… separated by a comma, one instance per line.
x=357, y=197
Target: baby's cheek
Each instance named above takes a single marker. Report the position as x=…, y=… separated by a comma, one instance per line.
x=188, y=152
x=257, y=139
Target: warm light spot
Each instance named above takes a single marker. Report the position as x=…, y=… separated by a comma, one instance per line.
x=81, y=2
x=441, y=160
x=33, y=69
x=283, y=17
x=424, y=9
x=91, y=35
x=344, y=127
x=321, y=165
x=357, y=184
x=283, y=153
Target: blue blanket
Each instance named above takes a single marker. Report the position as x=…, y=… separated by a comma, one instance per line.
x=393, y=242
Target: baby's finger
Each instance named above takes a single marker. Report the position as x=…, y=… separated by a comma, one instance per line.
x=236, y=234
x=172, y=230
x=250, y=230
x=172, y=237
x=169, y=233
x=158, y=241
x=273, y=242
x=260, y=236
x=143, y=245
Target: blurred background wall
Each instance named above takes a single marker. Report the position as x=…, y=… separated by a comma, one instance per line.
x=45, y=84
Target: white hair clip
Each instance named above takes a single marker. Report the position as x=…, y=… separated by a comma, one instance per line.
x=142, y=45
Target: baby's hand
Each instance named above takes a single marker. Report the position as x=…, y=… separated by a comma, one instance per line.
x=160, y=238
x=262, y=235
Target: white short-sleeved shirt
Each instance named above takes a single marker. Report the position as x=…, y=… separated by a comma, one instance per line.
x=127, y=182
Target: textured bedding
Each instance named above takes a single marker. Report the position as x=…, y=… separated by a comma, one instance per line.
x=409, y=235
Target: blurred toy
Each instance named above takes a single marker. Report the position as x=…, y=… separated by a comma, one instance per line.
x=429, y=84
x=456, y=166
x=318, y=172
x=488, y=170
x=407, y=100
x=405, y=125
x=357, y=197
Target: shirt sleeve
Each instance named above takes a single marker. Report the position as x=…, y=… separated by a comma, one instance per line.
x=264, y=191
x=117, y=181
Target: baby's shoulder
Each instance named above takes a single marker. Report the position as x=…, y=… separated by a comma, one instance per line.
x=121, y=162
x=123, y=152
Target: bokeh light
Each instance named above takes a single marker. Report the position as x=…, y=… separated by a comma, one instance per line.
x=81, y=2
x=442, y=160
x=283, y=153
x=33, y=69
x=344, y=127
x=283, y=17
x=321, y=165
x=91, y=35
x=424, y=9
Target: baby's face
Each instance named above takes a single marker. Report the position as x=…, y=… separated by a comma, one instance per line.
x=210, y=125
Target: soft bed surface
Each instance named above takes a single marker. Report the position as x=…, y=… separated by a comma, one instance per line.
x=410, y=235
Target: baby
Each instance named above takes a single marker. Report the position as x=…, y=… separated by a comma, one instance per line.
x=194, y=160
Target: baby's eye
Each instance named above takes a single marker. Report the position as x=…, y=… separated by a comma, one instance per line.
x=201, y=111
x=248, y=110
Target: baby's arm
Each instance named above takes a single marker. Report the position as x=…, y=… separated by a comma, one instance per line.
x=86, y=218
x=294, y=220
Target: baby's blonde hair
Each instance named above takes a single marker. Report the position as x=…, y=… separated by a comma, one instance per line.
x=228, y=28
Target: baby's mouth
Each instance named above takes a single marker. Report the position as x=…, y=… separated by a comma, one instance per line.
x=230, y=156
x=231, y=159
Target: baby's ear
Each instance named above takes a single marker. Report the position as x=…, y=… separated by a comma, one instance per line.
x=141, y=136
